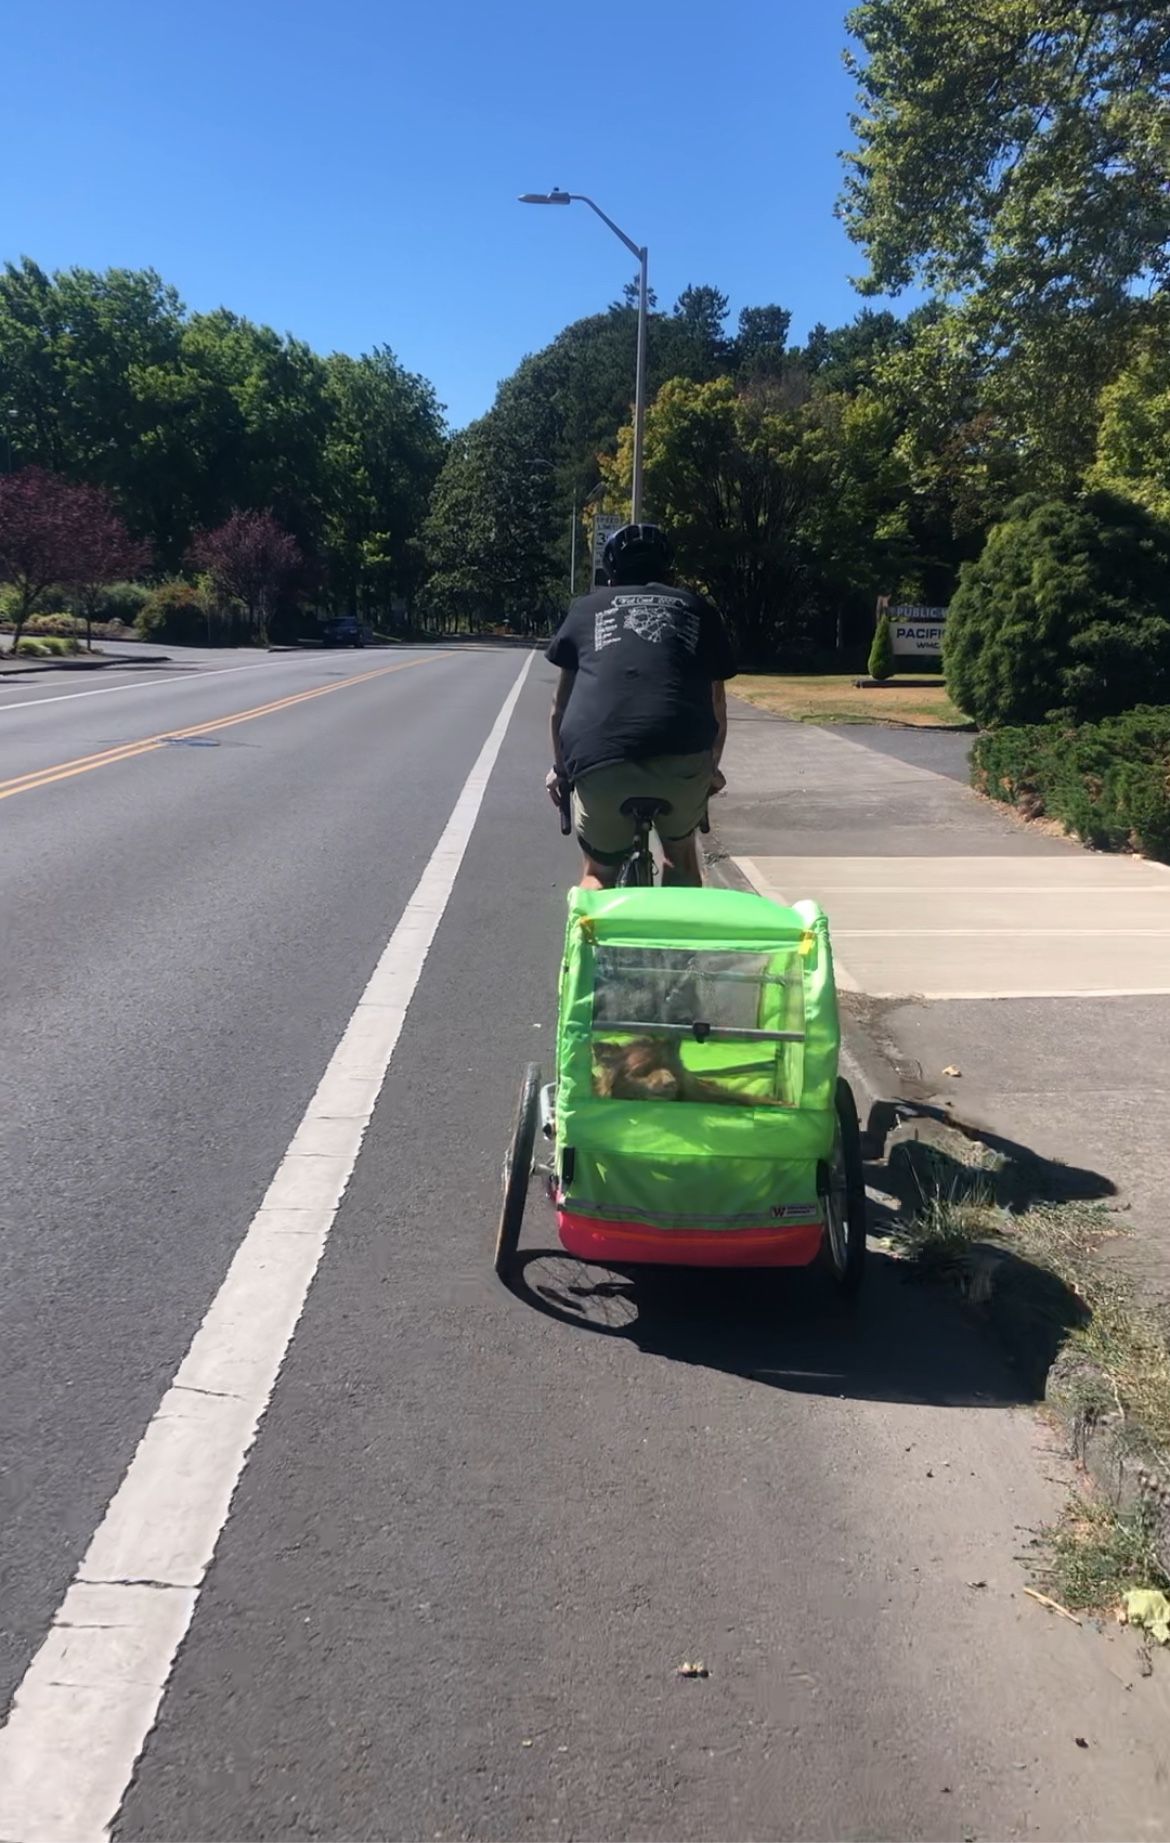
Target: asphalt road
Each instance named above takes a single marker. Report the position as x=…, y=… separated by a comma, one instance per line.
x=475, y=1538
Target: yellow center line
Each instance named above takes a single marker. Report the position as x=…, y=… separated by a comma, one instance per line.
x=85, y=764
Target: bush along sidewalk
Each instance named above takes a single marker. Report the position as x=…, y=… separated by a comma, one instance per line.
x=1108, y=782
x=1029, y=1256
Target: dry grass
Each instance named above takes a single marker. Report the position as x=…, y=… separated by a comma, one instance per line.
x=917, y=701
x=1091, y=1558
x=954, y=1232
x=1118, y=1334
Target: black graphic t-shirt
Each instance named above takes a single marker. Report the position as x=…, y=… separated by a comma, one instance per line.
x=644, y=660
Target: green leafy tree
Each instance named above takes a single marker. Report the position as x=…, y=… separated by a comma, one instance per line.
x=703, y=312
x=1066, y=610
x=1133, y=444
x=1017, y=148
x=727, y=472
x=385, y=448
x=881, y=653
x=759, y=345
x=69, y=344
x=486, y=538
x=1014, y=159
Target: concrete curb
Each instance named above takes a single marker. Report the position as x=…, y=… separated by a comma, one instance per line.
x=83, y=665
x=1073, y=1388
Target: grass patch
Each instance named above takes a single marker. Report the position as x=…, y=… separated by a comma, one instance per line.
x=961, y=1230
x=916, y=700
x=1036, y=1267
x=1096, y=1555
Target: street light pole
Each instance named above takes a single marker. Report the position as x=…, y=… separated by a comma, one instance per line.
x=557, y=197
x=640, y=392
x=577, y=510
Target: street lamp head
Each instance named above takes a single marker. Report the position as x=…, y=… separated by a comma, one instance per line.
x=555, y=197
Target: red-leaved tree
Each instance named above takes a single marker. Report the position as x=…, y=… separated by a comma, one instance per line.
x=45, y=524
x=251, y=557
x=104, y=553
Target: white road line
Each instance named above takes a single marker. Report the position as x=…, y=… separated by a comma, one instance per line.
x=191, y=677
x=91, y=1694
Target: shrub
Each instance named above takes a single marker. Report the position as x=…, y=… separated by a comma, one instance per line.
x=1066, y=611
x=43, y=624
x=881, y=653
x=1108, y=782
x=121, y=601
x=174, y=611
x=34, y=649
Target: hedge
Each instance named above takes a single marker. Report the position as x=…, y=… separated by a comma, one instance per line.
x=1108, y=782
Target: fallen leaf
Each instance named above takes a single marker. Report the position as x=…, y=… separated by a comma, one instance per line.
x=952, y=1070
x=976, y=1583
x=1081, y=1742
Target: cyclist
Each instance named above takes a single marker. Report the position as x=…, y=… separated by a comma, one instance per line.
x=639, y=708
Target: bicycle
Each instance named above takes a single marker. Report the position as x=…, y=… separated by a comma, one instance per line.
x=637, y=869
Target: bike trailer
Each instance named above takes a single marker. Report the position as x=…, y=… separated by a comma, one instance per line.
x=696, y=1083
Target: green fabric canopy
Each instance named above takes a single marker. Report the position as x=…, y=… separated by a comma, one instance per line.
x=732, y=998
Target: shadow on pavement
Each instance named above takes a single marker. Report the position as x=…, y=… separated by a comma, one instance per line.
x=908, y=1339
x=1016, y=1175
x=787, y=1330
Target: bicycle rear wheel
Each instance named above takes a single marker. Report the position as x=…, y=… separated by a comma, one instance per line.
x=518, y=1171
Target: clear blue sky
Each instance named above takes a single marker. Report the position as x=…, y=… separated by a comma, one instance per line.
x=347, y=170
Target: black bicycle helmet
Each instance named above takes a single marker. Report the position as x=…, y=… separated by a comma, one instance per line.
x=637, y=553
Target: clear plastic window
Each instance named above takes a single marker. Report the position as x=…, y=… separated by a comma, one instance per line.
x=670, y=1024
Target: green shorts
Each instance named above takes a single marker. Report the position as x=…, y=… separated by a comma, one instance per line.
x=605, y=832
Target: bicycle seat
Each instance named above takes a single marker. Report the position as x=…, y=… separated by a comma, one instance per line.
x=639, y=807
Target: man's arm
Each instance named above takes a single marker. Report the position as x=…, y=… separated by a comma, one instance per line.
x=719, y=705
x=559, y=704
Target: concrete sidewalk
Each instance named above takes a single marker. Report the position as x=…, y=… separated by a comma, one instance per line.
x=966, y=940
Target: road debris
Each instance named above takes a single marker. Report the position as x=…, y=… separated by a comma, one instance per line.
x=692, y=1670
x=951, y=1070
x=1045, y=1600
x=1148, y=1608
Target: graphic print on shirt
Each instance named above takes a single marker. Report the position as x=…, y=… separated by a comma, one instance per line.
x=650, y=617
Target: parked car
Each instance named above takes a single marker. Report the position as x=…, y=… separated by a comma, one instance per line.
x=344, y=630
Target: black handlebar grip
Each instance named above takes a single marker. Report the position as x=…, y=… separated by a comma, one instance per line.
x=705, y=823
x=566, y=818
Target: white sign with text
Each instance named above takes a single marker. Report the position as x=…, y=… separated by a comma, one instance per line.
x=604, y=526
x=917, y=630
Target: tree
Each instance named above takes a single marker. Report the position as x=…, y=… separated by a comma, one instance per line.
x=1013, y=158
x=104, y=552
x=881, y=653
x=1064, y=611
x=1016, y=148
x=632, y=295
x=760, y=342
x=46, y=524
x=1133, y=444
x=252, y=558
x=727, y=473
x=702, y=311
x=487, y=537
x=383, y=455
